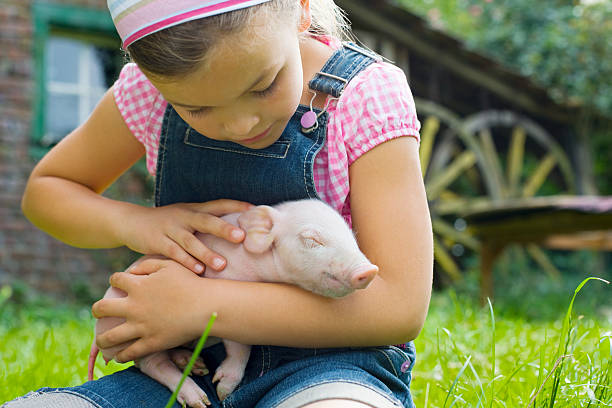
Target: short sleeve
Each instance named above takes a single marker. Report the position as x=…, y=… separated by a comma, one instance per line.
x=141, y=106
x=376, y=106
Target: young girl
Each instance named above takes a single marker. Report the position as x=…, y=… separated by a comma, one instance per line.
x=237, y=103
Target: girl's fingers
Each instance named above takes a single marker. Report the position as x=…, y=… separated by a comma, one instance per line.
x=136, y=350
x=147, y=265
x=214, y=225
x=177, y=252
x=117, y=336
x=109, y=307
x=223, y=206
x=122, y=280
x=196, y=248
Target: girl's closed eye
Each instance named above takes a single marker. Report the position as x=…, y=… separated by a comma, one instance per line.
x=260, y=94
x=198, y=112
x=268, y=91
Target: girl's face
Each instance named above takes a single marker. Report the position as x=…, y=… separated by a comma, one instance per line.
x=248, y=89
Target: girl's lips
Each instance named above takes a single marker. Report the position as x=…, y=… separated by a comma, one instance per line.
x=258, y=137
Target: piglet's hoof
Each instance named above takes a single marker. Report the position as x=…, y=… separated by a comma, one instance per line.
x=228, y=380
x=192, y=395
x=181, y=356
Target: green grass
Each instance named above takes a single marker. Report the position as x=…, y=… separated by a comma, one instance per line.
x=468, y=358
x=45, y=345
x=467, y=355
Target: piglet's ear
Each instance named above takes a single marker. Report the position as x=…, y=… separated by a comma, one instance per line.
x=257, y=223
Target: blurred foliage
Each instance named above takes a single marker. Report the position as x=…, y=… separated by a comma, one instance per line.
x=523, y=290
x=564, y=45
x=602, y=147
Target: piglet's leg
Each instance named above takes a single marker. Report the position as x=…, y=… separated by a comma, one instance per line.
x=159, y=367
x=181, y=356
x=230, y=372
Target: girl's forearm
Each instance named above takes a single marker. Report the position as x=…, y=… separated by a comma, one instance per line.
x=62, y=196
x=74, y=213
x=278, y=314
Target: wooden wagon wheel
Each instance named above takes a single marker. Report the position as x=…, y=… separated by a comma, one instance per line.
x=441, y=168
x=463, y=170
x=513, y=133
x=508, y=185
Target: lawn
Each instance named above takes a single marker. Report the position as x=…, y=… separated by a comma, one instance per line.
x=468, y=355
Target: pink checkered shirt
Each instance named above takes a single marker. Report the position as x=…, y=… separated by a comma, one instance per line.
x=376, y=106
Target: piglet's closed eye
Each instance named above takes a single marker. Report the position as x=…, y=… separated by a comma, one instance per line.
x=258, y=223
x=311, y=238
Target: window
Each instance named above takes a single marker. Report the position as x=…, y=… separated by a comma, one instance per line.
x=75, y=81
x=78, y=56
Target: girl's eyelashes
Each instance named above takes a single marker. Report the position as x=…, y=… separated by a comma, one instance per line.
x=268, y=91
x=198, y=112
x=260, y=94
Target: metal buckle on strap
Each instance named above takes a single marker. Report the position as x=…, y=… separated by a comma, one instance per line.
x=336, y=78
x=333, y=76
x=362, y=51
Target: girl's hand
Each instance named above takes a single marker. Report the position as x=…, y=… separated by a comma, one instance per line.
x=158, y=309
x=170, y=231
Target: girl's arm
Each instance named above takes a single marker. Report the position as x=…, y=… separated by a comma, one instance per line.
x=391, y=217
x=62, y=197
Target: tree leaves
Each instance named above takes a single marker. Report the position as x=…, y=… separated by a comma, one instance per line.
x=565, y=46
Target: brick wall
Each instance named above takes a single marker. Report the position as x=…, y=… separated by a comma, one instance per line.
x=27, y=254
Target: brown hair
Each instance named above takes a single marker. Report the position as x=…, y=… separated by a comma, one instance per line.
x=179, y=50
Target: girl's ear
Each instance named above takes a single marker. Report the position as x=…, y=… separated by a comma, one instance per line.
x=305, y=16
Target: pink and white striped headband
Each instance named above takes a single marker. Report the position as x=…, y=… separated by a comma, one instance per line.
x=135, y=19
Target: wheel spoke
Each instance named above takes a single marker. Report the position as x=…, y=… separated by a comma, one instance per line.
x=542, y=259
x=458, y=206
x=442, y=180
x=515, y=160
x=443, y=228
x=446, y=261
x=539, y=175
x=493, y=164
x=428, y=136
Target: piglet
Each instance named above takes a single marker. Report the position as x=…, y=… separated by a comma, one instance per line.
x=305, y=243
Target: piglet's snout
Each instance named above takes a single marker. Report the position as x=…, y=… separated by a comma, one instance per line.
x=361, y=275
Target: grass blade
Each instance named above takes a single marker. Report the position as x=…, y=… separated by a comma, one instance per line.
x=561, y=354
x=540, y=371
x=482, y=397
x=459, y=374
x=566, y=321
x=555, y=367
x=564, y=341
x=194, y=356
x=492, y=352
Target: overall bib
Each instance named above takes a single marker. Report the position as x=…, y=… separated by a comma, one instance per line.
x=193, y=168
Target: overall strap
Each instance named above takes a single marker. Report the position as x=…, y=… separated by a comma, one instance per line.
x=343, y=65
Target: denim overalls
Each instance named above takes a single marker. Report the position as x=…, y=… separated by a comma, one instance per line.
x=193, y=168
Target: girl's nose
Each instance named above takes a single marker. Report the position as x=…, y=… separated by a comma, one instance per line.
x=241, y=125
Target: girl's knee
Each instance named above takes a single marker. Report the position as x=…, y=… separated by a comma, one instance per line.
x=49, y=400
x=337, y=403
